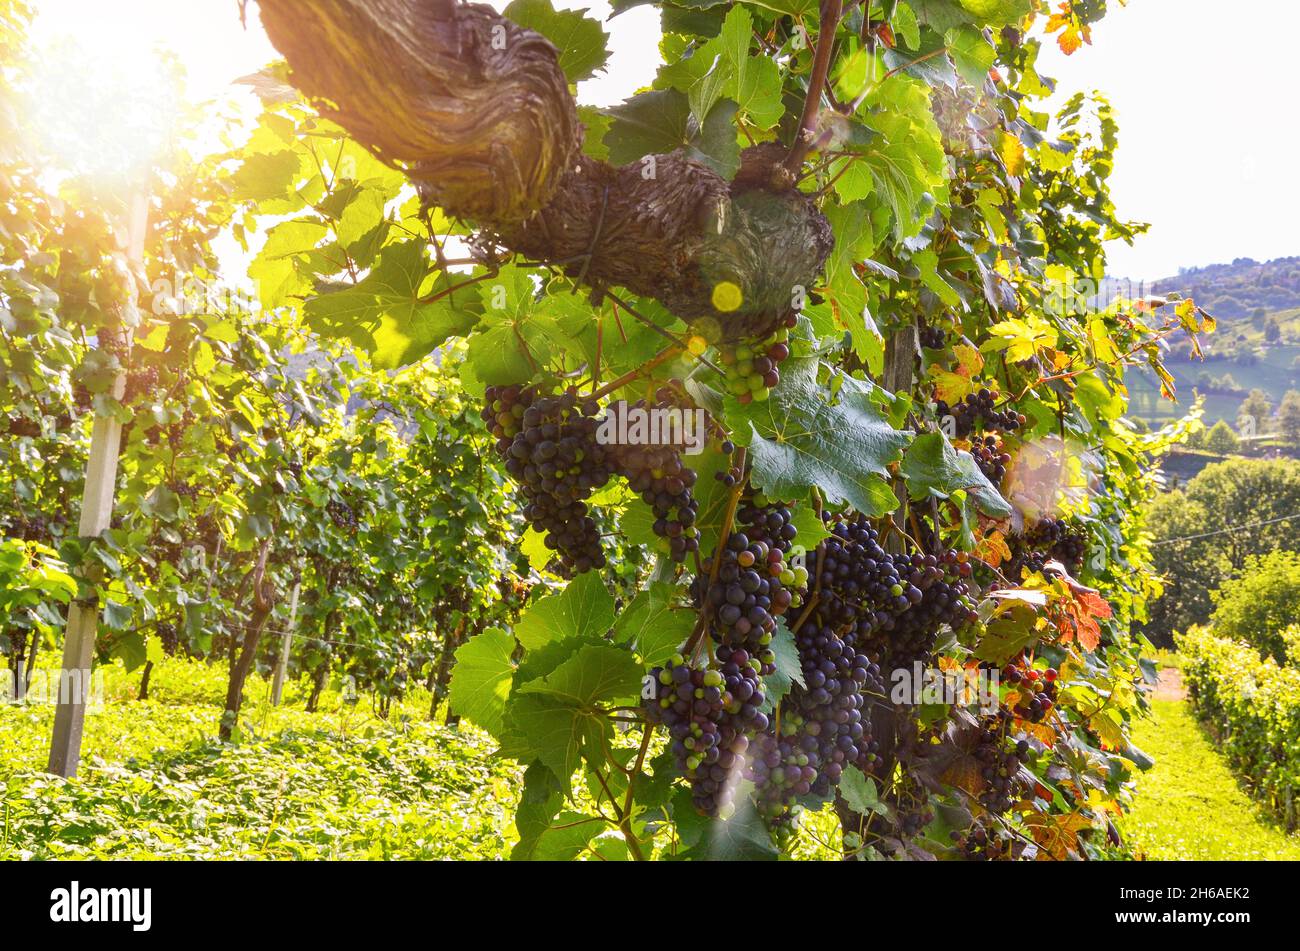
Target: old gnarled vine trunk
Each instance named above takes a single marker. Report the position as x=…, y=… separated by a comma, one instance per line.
x=478, y=114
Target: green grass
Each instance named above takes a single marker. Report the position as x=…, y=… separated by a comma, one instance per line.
x=1189, y=805
x=1166, y=658
x=338, y=784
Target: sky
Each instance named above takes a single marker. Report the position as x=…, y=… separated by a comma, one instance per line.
x=1207, y=103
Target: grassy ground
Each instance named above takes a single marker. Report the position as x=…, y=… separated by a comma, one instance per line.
x=1189, y=806
x=341, y=783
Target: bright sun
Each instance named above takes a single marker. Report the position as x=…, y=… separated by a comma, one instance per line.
x=104, y=110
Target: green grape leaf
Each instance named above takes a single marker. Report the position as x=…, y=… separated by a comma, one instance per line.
x=595, y=674
x=539, y=803
x=797, y=440
x=933, y=468
x=972, y=54
x=581, y=41
x=560, y=715
x=998, y=12
x=653, y=626
x=743, y=837
x=386, y=313
x=582, y=608
x=660, y=121
x=1008, y=633
x=859, y=791
x=480, y=682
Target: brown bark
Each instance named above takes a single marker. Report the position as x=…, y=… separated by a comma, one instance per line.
x=263, y=602
x=438, y=685
x=319, y=678
x=477, y=113
x=144, y=681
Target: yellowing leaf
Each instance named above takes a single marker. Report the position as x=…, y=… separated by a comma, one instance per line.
x=1022, y=337
x=1012, y=152
x=993, y=549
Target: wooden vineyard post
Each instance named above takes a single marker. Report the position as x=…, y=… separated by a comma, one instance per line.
x=282, y=665
x=96, y=514
x=900, y=362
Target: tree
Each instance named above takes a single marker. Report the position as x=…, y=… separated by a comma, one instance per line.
x=1257, y=408
x=1206, y=533
x=1258, y=603
x=1222, y=439
x=1272, y=331
x=1288, y=416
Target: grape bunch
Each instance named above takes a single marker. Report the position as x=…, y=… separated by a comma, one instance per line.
x=984, y=842
x=24, y=427
x=503, y=411
x=1051, y=538
x=1037, y=689
x=168, y=637
x=933, y=338
x=895, y=603
x=1000, y=763
x=990, y=457
x=559, y=462
x=710, y=715
x=825, y=724
x=1061, y=541
x=342, y=515
x=664, y=482
x=911, y=821
x=979, y=411
x=140, y=382
x=754, y=369
x=185, y=490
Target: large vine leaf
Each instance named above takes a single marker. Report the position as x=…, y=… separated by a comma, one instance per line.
x=559, y=716
x=933, y=468
x=743, y=837
x=386, y=313
x=594, y=674
x=652, y=625
x=797, y=440
x=481, y=680
x=660, y=121
x=584, y=607
x=580, y=40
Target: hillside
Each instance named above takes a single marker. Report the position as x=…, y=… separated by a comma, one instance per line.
x=1256, y=346
x=1243, y=289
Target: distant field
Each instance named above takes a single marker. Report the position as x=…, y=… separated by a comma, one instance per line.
x=1275, y=372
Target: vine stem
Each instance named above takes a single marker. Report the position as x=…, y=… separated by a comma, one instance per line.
x=663, y=356
x=831, y=11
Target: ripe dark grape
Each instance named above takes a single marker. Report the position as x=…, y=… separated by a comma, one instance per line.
x=503, y=412
x=22, y=426
x=710, y=715
x=753, y=585
x=140, y=381
x=933, y=338
x=979, y=411
x=1051, y=538
x=1037, y=691
x=990, y=457
x=1000, y=760
x=984, y=842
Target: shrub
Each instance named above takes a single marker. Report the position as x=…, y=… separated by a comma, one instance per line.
x=1254, y=706
x=1291, y=638
x=1222, y=439
x=1258, y=603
